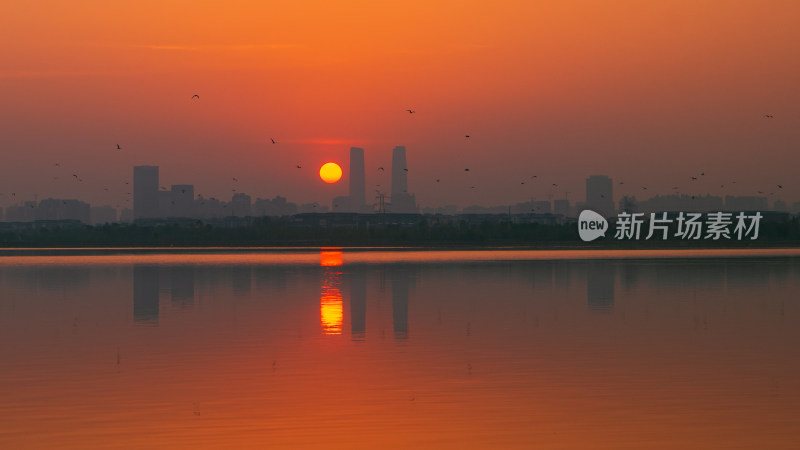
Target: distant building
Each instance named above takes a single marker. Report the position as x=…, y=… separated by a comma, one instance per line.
x=681, y=202
x=277, y=207
x=100, y=215
x=357, y=202
x=401, y=201
x=342, y=204
x=63, y=209
x=562, y=207
x=745, y=203
x=599, y=195
x=126, y=215
x=145, y=192
x=182, y=202
x=26, y=212
x=780, y=205
x=313, y=208
x=165, y=203
x=240, y=205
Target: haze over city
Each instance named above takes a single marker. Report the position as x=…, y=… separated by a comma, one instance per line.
x=649, y=94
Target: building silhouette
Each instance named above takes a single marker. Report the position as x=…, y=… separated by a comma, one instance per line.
x=357, y=181
x=240, y=205
x=182, y=203
x=402, y=201
x=599, y=195
x=145, y=192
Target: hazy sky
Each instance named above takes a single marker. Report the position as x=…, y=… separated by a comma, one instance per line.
x=647, y=92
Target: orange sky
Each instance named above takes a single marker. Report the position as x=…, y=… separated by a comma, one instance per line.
x=646, y=92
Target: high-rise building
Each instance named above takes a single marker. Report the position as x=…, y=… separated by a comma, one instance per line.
x=599, y=196
x=357, y=181
x=145, y=192
x=402, y=201
x=399, y=171
x=240, y=205
x=182, y=202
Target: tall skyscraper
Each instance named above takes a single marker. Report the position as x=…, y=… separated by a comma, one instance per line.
x=399, y=171
x=145, y=192
x=357, y=180
x=599, y=195
x=402, y=201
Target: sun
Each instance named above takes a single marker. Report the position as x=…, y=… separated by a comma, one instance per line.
x=330, y=172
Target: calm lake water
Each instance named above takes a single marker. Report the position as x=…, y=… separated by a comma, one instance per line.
x=400, y=349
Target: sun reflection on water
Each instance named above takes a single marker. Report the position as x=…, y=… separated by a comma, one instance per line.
x=331, y=309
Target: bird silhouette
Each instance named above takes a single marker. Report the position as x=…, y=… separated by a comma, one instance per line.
x=467, y=136
x=644, y=188
x=768, y=116
x=702, y=173
x=555, y=185
x=235, y=179
x=466, y=170
x=273, y=140
x=58, y=165
x=694, y=178
x=405, y=170
x=411, y=111
x=437, y=180
x=118, y=147
x=780, y=186
x=196, y=96
x=380, y=168
x=298, y=166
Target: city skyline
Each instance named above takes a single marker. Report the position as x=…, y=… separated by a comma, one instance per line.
x=649, y=94
x=151, y=199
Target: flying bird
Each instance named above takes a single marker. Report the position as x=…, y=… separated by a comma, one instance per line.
x=644, y=188
x=437, y=180
x=118, y=147
x=768, y=116
x=780, y=186
x=235, y=179
x=380, y=168
x=196, y=96
x=702, y=173
x=411, y=111
x=298, y=166
x=273, y=140
x=694, y=178
x=466, y=170
x=467, y=136
x=405, y=170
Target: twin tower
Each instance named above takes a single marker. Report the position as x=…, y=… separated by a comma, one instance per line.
x=400, y=200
